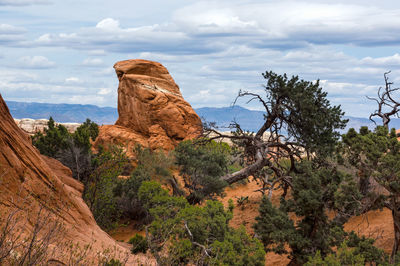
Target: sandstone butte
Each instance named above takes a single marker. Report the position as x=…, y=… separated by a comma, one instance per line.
x=152, y=111
x=29, y=180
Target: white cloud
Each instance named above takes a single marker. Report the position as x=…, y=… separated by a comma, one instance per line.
x=386, y=61
x=20, y=85
x=108, y=24
x=72, y=80
x=210, y=27
x=93, y=62
x=97, y=52
x=104, y=91
x=36, y=62
x=10, y=29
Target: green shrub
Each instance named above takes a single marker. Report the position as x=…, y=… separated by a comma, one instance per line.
x=201, y=167
x=182, y=234
x=53, y=140
x=151, y=165
x=99, y=189
x=139, y=244
x=344, y=256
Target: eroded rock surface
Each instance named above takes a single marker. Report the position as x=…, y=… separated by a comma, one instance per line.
x=32, y=126
x=151, y=109
x=29, y=180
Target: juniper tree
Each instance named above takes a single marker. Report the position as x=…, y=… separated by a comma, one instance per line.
x=299, y=120
x=201, y=167
x=302, y=222
x=376, y=157
x=52, y=140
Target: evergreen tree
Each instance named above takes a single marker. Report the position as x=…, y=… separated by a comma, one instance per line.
x=54, y=139
x=316, y=191
x=375, y=155
x=201, y=166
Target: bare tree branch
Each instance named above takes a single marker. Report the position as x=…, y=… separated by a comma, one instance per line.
x=385, y=99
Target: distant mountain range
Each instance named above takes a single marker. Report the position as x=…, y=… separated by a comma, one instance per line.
x=252, y=120
x=63, y=113
x=248, y=119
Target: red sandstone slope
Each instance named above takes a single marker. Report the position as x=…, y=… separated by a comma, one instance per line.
x=152, y=111
x=29, y=180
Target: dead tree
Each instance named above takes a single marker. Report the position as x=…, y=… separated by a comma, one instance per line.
x=387, y=105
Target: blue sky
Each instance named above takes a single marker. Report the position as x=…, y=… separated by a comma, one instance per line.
x=63, y=51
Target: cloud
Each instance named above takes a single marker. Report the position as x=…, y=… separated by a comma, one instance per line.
x=23, y=2
x=72, y=80
x=35, y=62
x=104, y=91
x=214, y=48
x=97, y=52
x=93, y=62
x=108, y=24
x=10, y=34
x=21, y=85
x=388, y=61
x=11, y=30
x=211, y=27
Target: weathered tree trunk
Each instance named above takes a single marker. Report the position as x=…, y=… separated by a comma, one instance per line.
x=247, y=171
x=396, y=224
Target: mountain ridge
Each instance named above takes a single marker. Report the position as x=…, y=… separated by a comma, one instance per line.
x=223, y=116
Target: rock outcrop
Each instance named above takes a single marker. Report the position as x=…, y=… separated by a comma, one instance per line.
x=30, y=182
x=32, y=126
x=152, y=111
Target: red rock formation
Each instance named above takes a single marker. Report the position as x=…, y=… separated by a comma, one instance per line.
x=29, y=180
x=151, y=109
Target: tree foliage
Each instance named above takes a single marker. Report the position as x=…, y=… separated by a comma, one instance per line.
x=181, y=233
x=201, y=166
x=72, y=149
x=344, y=256
x=139, y=244
x=52, y=140
x=151, y=165
x=100, y=186
x=316, y=191
x=375, y=156
x=299, y=120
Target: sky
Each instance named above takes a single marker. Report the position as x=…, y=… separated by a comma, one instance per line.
x=57, y=51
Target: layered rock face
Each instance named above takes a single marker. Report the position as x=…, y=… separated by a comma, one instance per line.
x=152, y=111
x=32, y=126
x=30, y=181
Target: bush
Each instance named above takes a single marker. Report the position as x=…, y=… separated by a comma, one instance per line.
x=53, y=140
x=201, y=167
x=73, y=150
x=139, y=244
x=151, y=165
x=344, y=256
x=99, y=192
x=182, y=234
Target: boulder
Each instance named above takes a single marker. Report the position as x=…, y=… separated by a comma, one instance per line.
x=151, y=109
x=33, y=184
